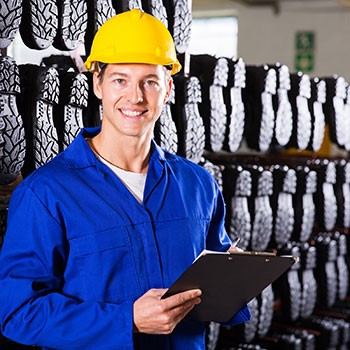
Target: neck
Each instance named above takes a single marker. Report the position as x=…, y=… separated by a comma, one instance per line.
x=129, y=157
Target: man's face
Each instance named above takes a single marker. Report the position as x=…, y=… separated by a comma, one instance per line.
x=133, y=96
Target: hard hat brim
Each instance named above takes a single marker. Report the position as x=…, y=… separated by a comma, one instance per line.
x=92, y=66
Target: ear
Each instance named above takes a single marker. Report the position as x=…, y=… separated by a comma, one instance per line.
x=97, y=86
x=168, y=89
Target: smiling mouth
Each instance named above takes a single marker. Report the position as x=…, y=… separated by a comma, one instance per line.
x=131, y=113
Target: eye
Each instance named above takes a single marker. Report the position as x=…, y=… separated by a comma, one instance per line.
x=150, y=82
x=120, y=81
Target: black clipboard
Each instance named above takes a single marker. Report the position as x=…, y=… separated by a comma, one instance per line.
x=229, y=281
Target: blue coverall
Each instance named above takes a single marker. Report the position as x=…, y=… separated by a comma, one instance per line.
x=80, y=249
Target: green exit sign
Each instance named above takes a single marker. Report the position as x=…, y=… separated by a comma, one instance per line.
x=305, y=41
x=304, y=63
x=305, y=51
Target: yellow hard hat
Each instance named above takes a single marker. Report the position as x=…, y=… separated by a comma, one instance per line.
x=133, y=37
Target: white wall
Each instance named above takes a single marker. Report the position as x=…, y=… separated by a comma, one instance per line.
x=265, y=36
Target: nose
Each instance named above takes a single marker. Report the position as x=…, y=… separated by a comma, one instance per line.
x=135, y=94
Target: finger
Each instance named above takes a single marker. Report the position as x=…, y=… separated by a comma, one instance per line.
x=186, y=307
x=232, y=250
x=181, y=311
x=159, y=292
x=181, y=298
x=235, y=249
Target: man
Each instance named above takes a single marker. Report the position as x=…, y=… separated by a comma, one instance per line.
x=97, y=235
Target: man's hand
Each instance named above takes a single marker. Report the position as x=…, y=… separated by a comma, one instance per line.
x=235, y=249
x=154, y=315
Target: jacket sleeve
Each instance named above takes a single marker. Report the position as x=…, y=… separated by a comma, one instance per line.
x=34, y=310
x=243, y=315
x=218, y=240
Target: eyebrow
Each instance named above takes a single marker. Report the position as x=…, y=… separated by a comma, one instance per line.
x=148, y=76
x=117, y=73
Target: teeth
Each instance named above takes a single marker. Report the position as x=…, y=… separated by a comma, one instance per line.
x=131, y=113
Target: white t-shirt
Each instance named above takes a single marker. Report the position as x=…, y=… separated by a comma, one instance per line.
x=134, y=182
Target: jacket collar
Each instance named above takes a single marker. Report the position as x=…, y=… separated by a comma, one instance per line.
x=79, y=154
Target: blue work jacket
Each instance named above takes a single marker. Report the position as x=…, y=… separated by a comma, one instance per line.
x=80, y=249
